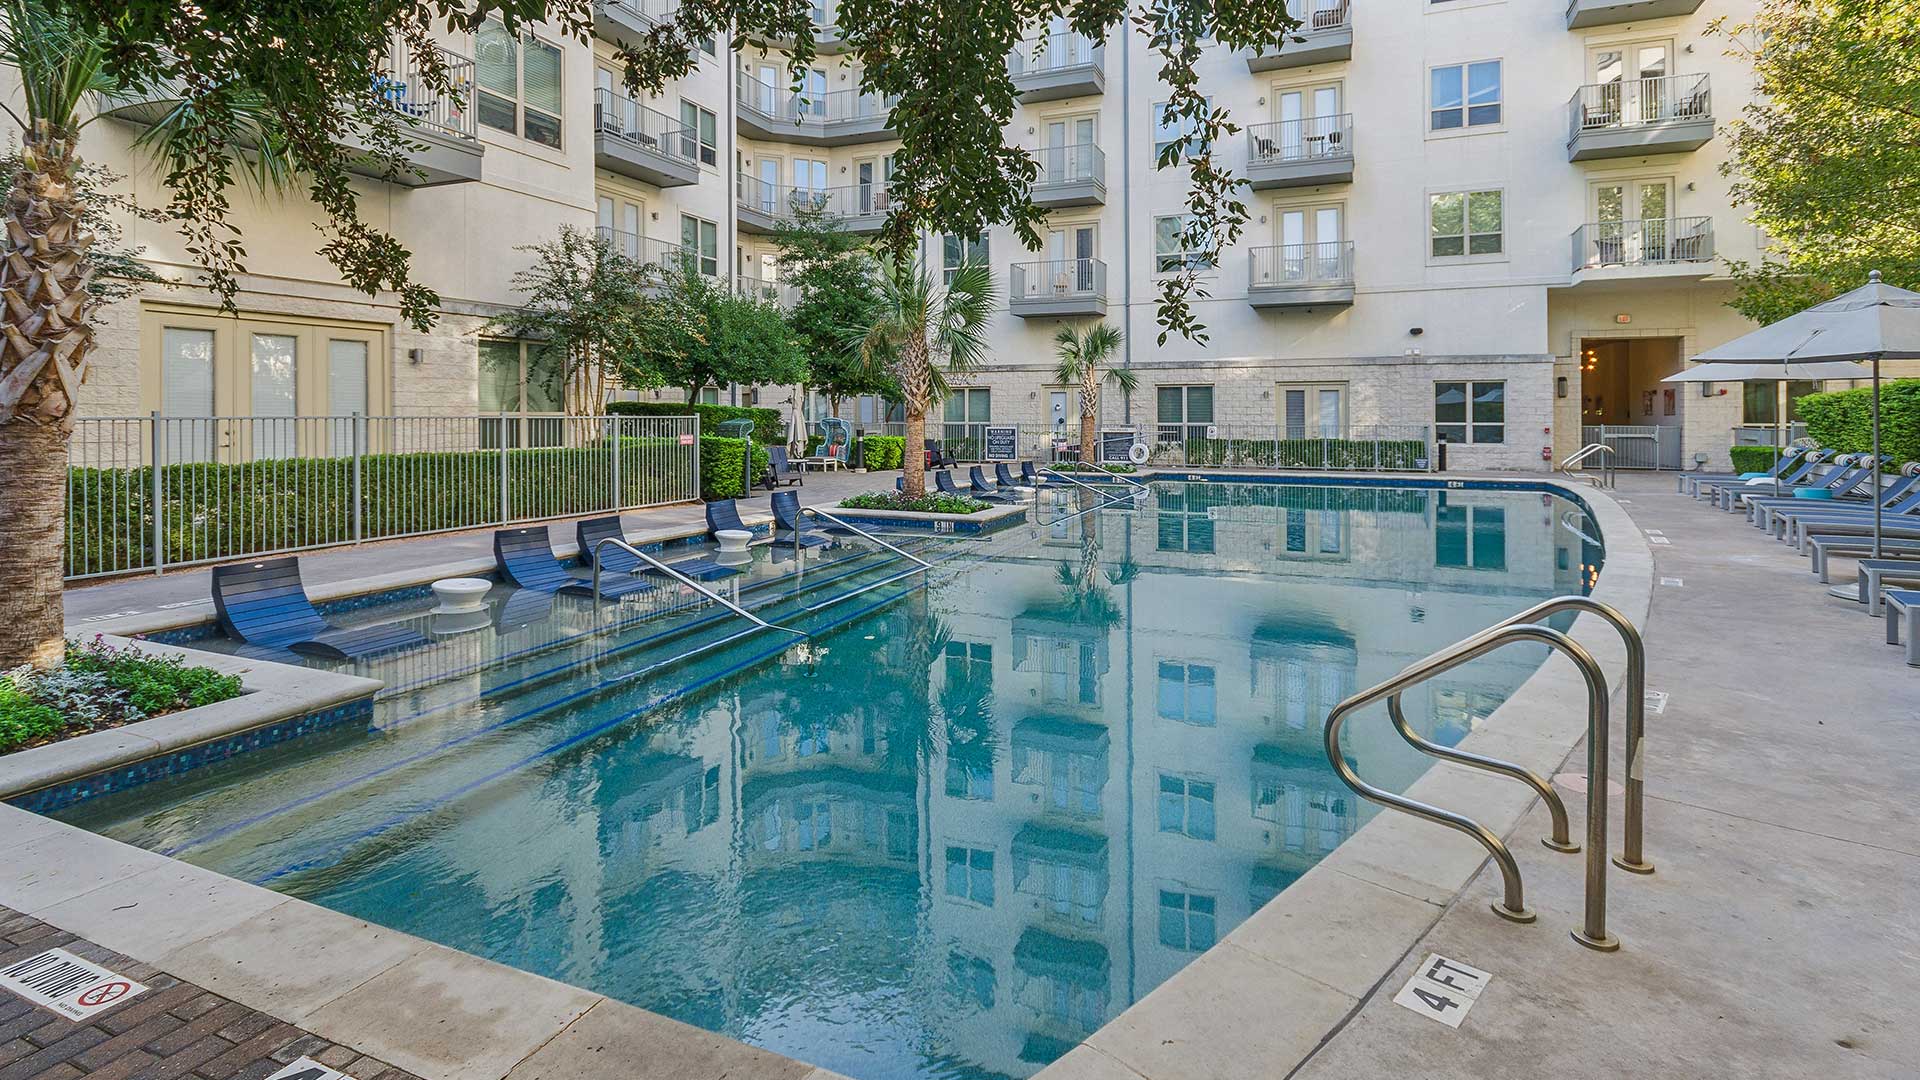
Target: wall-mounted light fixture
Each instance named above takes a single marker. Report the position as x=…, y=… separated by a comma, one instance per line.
x=1266, y=395
x=1560, y=386
x=1416, y=331
x=1706, y=390
x=415, y=356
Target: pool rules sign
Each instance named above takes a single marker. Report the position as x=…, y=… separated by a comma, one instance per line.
x=76, y=989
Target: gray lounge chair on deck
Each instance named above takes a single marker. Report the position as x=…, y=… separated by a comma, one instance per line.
x=1822, y=549
x=1844, y=520
x=1709, y=487
x=1848, y=472
x=1689, y=482
x=265, y=605
x=1773, y=515
x=1903, y=618
x=1877, y=574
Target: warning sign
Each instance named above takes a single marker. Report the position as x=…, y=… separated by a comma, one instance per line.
x=74, y=988
x=308, y=1069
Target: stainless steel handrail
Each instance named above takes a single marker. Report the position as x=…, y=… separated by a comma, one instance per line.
x=858, y=531
x=1567, y=522
x=1049, y=470
x=1593, y=929
x=1122, y=477
x=1106, y=500
x=1558, y=838
x=1587, y=451
x=684, y=580
x=1630, y=857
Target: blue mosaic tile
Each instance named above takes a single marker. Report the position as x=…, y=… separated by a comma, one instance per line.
x=68, y=792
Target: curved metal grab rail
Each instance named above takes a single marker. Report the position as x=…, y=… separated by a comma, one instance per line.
x=1568, y=521
x=1630, y=857
x=858, y=531
x=1051, y=471
x=1122, y=477
x=1593, y=929
x=1583, y=454
x=1587, y=451
x=684, y=580
x=1106, y=500
x=1558, y=839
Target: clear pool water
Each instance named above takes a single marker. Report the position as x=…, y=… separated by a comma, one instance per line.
x=969, y=820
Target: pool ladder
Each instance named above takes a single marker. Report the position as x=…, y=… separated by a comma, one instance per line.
x=1526, y=627
x=1604, y=479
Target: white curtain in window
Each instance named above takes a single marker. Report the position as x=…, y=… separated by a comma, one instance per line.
x=542, y=67
x=275, y=374
x=346, y=390
x=186, y=389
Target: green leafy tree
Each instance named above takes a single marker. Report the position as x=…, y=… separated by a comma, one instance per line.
x=1085, y=359
x=837, y=280
x=596, y=315
x=717, y=339
x=1827, y=158
x=921, y=333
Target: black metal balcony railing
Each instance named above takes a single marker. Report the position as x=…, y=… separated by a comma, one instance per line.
x=1630, y=102
x=1307, y=139
x=1327, y=263
x=1648, y=242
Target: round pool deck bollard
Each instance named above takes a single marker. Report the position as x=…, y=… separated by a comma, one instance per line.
x=460, y=594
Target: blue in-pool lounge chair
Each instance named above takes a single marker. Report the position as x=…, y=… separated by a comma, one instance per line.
x=524, y=557
x=618, y=561
x=1004, y=478
x=944, y=481
x=790, y=527
x=1030, y=475
x=978, y=487
x=264, y=604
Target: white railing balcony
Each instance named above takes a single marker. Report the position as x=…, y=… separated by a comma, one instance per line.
x=1325, y=34
x=1049, y=288
x=635, y=141
x=779, y=293
x=832, y=118
x=1685, y=243
x=1070, y=176
x=1629, y=117
x=1301, y=275
x=641, y=249
x=1297, y=153
x=405, y=90
x=763, y=207
x=1584, y=13
x=1055, y=66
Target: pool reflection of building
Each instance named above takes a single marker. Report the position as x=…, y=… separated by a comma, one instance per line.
x=1117, y=758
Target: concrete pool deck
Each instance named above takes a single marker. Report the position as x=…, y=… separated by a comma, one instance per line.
x=1299, y=987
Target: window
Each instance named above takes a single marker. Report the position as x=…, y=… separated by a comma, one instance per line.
x=968, y=661
x=1183, y=528
x=1186, y=920
x=1175, y=131
x=1470, y=412
x=1186, y=806
x=970, y=874
x=966, y=414
x=701, y=239
x=1184, y=412
x=1313, y=412
x=1465, y=95
x=1312, y=820
x=1170, y=251
x=1470, y=536
x=1466, y=223
x=699, y=133
x=520, y=377
x=969, y=779
x=709, y=395
x=956, y=252
x=519, y=84
x=1760, y=404
x=1186, y=693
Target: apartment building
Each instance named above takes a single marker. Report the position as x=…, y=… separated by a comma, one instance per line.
x=1498, y=221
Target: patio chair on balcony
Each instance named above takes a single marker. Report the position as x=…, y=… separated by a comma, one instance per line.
x=1693, y=247
x=264, y=604
x=524, y=557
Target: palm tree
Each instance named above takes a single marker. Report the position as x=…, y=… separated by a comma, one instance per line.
x=1085, y=357
x=921, y=334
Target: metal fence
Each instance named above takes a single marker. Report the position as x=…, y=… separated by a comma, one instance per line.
x=1362, y=448
x=1633, y=102
x=231, y=486
x=1636, y=446
x=1768, y=434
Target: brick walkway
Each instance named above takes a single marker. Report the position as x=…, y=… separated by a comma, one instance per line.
x=174, y=1031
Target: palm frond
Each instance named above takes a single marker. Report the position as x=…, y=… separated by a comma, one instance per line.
x=59, y=60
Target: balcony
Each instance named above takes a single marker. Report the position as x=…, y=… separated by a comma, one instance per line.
x=1301, y=153
x=1635, y=117
x=764, y=207
x=1057, y=288
x=1071, y=176
x=634, y=141
x=625, y=22
x=641, y=249
x=778, y=293
x=1325, y=36
x=835, y=118
x=445, y=140
x=826, y=36
x=1584, y=13
x=1301, y=275
x=1058, y=66
x=1638, y=250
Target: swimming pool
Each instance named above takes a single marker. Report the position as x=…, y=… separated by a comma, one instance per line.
x=972, y=817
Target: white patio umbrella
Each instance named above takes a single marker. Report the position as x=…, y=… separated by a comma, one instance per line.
x=1874, y=322
x=1776, y=373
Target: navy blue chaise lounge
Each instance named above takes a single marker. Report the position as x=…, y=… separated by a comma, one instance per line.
x=978, y=487
x=524, y=557
x=264, y=604
x=790, y=528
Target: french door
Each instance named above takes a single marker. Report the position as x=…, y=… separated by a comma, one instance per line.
x=1068, y=154
x=1313, y=412
x=1307, y=122
x=1632, y=222
x=1070, y=255
x=1310, y=243
x=1633, y=81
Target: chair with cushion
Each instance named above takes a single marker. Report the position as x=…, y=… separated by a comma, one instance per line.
x=265, y=604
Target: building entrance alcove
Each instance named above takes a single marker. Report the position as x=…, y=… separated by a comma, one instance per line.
x=1624, y=404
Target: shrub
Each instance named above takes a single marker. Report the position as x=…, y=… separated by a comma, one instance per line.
x=931, y=503
x=1843, y=420
x=1400, y=454
x=1748, y=459
x=768, y=425
x=23, y=720
x=152, y=684
x=720, y=462
x=883, y=451
x=101, y=686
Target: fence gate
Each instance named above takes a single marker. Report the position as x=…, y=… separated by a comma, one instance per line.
x=1636, y=446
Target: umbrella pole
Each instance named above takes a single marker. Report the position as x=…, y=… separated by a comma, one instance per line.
x=1876, y=460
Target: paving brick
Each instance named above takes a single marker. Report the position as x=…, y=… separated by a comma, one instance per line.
x=308, y=1046
x=24, y=1026
x=124, y=1067
x=53, y=1053
x=246, y=1027
x=14, y=1008
x=62, y=1071
x=14, y=1050
x=260, y=1046
x=131, y=1039
x=147, y=1006
x=258, y=1070
x=17, y=952
x=200, y=1028
x=185, y=1060
x=338, y=1057
x=199, y=1006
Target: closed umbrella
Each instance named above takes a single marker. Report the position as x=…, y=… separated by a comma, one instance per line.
x=1874, y=322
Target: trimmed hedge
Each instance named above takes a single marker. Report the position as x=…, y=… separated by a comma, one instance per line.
x=218, y=510
x=1843, y=420
x=1399, y=454
x=883, y=451
x=1748, y=459
x=768, y=425
x=720, y=461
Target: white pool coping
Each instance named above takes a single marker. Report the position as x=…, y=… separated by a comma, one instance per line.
x=1255, y=1005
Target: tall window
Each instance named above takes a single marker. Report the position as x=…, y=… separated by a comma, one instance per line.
x=699, y=133
x=1470, y=536
x=969, y=406
x=1760, y=404
x=1186, y=693
x=1466, y=223
x=956, y=251
x=1186, y=920
x=970, y=874
x=1465, y=95
x=1169, y=131
x=1470, y=412
x=520, y=377
x=1184, y=412
x=701, y=239
x=519, y=84
x=1186, y=806
x=1170, y=250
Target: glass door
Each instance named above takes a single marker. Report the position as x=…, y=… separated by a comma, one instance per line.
x=1068, y=154
x=1313, y=412
x=273, y=377
x=1632, y=222
x=863, y=171
x=809, y=183
x=1633, y=81
x=769, y=79
x=769, y=185
x=1310, y=243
